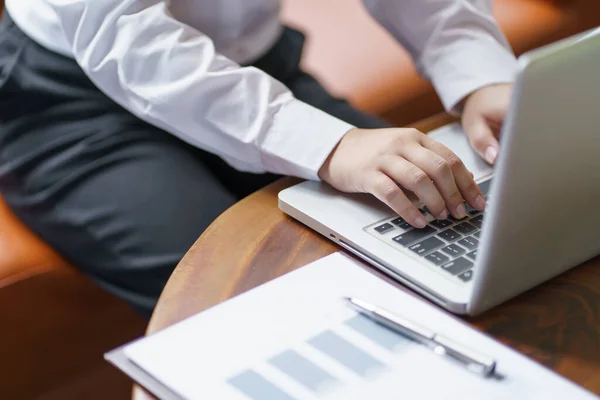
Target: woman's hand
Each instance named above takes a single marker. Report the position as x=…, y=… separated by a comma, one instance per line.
x=483, y=114
x=377, y=161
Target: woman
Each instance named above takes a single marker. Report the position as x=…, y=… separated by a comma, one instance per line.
x=129, y=125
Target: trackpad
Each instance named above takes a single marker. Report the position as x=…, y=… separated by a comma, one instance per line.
x=453, y=137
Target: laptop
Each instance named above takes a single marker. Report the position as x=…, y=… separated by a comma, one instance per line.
x=543, y=194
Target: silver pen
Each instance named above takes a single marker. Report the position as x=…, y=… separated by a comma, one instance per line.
x=440, y=345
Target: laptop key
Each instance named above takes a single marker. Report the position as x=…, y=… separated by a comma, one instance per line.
x=470, y=210
x=398, y=221
x=437, y=258
x=408, y=238
x=472, y=255
x=401, y=223
x=469, y=242
x=457, y=266
x=441, y=223
x=449, y=235
x=477, y=234
x=426, y=245
x=451, y=218
x=454, y=250
x=405, y=226
x=466, y=276
x=477, y=221
x=465, y=228
x=384, y=228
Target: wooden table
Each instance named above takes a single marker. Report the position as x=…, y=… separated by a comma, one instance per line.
x=557, y=323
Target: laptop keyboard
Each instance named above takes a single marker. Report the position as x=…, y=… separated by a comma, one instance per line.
x=448, y=245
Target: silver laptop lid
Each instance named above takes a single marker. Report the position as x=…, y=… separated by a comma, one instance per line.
x=544, y=217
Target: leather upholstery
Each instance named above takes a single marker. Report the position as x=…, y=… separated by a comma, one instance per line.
x=22, y=254
x=55, y=324
x=356, y=59
x=55, y=327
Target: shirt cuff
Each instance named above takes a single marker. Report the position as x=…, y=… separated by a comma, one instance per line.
x=300, y=139
x=462, y=68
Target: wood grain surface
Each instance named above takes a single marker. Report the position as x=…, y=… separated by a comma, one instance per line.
x=557, y=323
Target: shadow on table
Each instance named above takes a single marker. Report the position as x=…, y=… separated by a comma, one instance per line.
x=557, y=323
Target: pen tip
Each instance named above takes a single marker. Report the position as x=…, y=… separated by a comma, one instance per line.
x=349, y=299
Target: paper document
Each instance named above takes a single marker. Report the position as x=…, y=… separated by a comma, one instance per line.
x=295, y=338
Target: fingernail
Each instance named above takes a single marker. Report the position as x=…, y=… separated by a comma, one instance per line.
x=420, y=222
x=490, y=154
x=461, y=212
x=443, y=215
x=480, y=202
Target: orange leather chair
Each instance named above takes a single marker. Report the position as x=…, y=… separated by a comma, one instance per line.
x=55, y=324
x=355, y=58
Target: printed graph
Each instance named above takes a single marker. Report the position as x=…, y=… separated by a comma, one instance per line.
x=350, y=356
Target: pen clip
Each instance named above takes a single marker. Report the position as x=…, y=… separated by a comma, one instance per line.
x=474, y=361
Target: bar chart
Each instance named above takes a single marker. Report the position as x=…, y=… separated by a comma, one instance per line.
x=350, y=356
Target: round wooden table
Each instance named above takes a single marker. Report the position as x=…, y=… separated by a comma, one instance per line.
x=557, y=323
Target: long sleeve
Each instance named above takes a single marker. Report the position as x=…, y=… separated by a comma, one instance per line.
x=456, y=44
x=169, y=74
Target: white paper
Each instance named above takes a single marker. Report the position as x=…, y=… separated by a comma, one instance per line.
x=197, y=357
